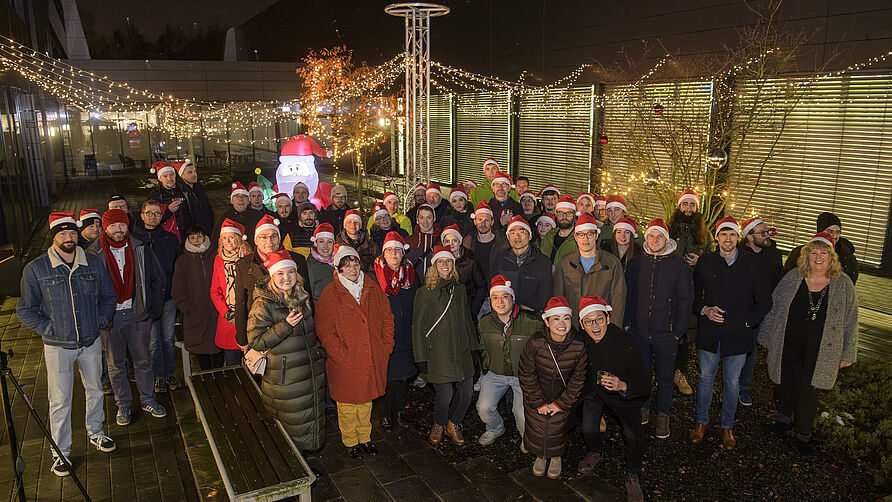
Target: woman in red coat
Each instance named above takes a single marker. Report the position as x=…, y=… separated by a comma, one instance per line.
x=230, y=248
x=355, y=325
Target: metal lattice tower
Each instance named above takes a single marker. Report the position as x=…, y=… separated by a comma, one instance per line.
x=418, y=86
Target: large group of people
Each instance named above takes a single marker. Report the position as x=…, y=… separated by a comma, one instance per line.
x=570, y=303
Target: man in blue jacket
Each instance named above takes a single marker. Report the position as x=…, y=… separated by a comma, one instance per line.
x=67, y=296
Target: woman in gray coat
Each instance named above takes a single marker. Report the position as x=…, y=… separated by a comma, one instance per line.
x=280, y=324
x=811, y=333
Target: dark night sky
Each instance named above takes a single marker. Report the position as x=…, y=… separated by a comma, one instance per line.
x=150, y=16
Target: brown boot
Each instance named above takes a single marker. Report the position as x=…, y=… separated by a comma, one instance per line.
x=682, y=383
x=454, y=432
x=436, y=435
x=697, y=433
x=728, y=439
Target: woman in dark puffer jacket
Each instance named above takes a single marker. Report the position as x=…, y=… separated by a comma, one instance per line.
x=281, y=324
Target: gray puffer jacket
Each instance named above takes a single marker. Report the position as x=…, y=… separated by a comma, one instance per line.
x=293, y=385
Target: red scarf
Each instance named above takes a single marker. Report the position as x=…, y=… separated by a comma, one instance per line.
x=390, y=280
x=171, y=223
x=123, y=287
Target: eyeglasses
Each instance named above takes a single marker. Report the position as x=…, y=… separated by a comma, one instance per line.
x=600, y=321
x=152, y=213
x=591, y=234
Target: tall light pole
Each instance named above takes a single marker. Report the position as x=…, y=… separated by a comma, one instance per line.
x=418, y=87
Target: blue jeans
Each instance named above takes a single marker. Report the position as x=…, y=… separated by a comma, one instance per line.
x=658, y=353
x=60, y=380
x=162, y=348
x=746, y=374
x=492, y=387
x=731, y=367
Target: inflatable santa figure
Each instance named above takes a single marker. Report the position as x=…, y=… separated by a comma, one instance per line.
x=297, y=163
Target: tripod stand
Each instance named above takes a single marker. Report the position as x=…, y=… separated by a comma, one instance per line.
x=18, y=464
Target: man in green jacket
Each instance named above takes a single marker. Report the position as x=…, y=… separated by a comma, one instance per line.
x=503, y=334
x=483, y=192
x=559, y=240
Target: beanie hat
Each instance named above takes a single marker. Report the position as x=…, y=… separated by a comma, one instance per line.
x=237, y=189
x=586, y=222
x=557, y=305
x=501, y=283
x=181, y=166
x=394, y=240
x=657, y=225
x=518, y=221
x=502, y=177
x=353, y=214
x=267, y=223
x=235, y=227
x=88, y=215
x=342, y=251
x=160, y=167
x=689, y=195
x=826, y=220
x=727, y=223
x=390, y=195
x=549, y=188
x=824, y=237
x=627, y=224
x=491, y=161
x=435, y=188
x=594, y=303
x=451, y=230
x=278, y=260
x=457, y=192
x=600, y=201
x=117, y=196
x=566, y=203
x=114, y=216
x=254, y=187
x=547, y=218
x=65, y=220
x=482, y=208
x=616, y=201
x=441, y=252
x=322, y=231
x=379, y=210
x=338, y=190
x=750, y=224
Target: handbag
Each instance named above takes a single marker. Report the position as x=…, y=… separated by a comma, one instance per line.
x=451, y=295
x=255, y=361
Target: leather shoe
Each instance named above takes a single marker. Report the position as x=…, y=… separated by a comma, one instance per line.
x=436, y=435
x=697, y=433
x=587, y=464
x=386, y=424
x=728, y=439
x=369, y=448
x=354, y=452
x=454, y=433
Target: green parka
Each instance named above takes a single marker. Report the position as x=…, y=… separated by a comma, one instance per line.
x=293, y=386
x=502, y=347
x=446, y=350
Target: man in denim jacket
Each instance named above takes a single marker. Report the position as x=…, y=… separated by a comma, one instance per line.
x=67, y=296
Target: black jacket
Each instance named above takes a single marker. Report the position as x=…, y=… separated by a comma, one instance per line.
x=497, y=209
x=463, y=220
x=165, y=197
x=334, y=217
x=531, y=279
x=845, y=250
x=248, y=218
x=659, y=295
x=772, y=262
x=166, y=247
x=379, y=235
x=619, y=355
x=199, y=206
x=471, y=275
x=742, y=290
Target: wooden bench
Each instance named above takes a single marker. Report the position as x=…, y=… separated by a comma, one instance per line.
x=255, y=455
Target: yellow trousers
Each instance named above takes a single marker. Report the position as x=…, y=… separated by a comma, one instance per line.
x=355, y=422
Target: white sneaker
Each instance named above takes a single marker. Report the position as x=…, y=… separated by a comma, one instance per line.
x=60, y=468
x=487, y=438
x=477, y=386
x=419, y=382
x=103, y=443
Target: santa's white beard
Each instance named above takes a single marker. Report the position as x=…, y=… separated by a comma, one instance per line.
x=295, y=169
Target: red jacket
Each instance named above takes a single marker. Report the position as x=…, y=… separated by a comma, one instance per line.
x=225, y=338
x=358, y=339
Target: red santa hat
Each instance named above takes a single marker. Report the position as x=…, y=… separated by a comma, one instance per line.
x=482, y=208
x=824, y=237
x=501, y=283
x=279, y=195
x=390, y=195
x=63, y=220
x=588, y=196
x=549, y=188
x=750, y=224
x=616, y=201
x=519, y=222
x=600, y=201
x=232, y=226
x=379, y=210
x=181, y=166
x=626, y=224
x=471, y=183
x=657, y=225
x=442, y=252
x=566, y=203
x=727, y=223
x=428, y=206
x=89, y=214
x=237, y=189
x=435, y=188
x=342, y=251
x=586, y=222
x=161, y=167
x=254, y=187
x=557, y=305
x=302, y=145
x=594, y=303
x=457, y=192
x=266, y=223
x=278, y=260
x=419, y=186
x=394, y=240
x=491, y=161
x=451, y=230
x=527, y=193
x=324, y=230
x=547, y=218
x=689, y=195
x=502, y=177
x=298, y=184
x=353, y=214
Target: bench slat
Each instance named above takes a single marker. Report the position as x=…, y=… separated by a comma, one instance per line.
x=227, y=454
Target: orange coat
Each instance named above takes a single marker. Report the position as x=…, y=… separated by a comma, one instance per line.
x=358, y=339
